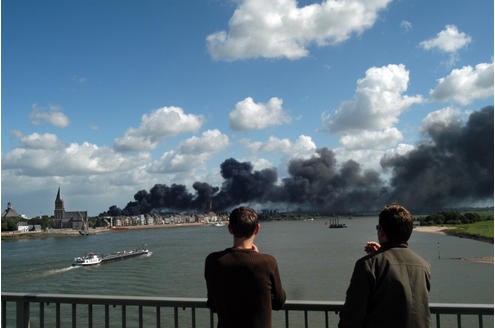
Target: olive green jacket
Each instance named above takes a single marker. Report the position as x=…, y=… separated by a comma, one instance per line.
x=388, y=289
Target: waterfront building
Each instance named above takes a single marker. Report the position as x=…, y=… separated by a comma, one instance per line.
x=76, y=220
x=22, y=226
x=10, y=212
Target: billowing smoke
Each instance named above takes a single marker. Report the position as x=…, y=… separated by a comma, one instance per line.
x=454, y=167
x=318, y=183
x=204, y=193
x=242, y=184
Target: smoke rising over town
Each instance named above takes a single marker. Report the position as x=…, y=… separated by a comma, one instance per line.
x=452, y=166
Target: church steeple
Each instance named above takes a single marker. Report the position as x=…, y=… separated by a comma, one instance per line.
x=58, y=196
x=59, y=207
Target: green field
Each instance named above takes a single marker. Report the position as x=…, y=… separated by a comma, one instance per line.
x=481, y=229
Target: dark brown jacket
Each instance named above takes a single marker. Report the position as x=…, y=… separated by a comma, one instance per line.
x=243, y=288
x=388, y=289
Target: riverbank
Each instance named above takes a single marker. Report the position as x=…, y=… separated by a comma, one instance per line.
x=433, y=229
x=157, y=226
x=454, y=232
x=15, y=235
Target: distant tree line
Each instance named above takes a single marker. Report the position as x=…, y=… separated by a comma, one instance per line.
x=454, y=217
x=10, y=224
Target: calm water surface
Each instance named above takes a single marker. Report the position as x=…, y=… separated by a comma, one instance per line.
x=315, y=262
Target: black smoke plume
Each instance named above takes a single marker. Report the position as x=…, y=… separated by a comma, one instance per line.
x=454, y=166
x=320, y=184
x=242, y=184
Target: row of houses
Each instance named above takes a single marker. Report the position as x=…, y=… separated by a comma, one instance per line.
x=157, y=219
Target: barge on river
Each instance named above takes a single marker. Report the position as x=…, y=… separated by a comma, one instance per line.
x=335, y=223
x=94, y=259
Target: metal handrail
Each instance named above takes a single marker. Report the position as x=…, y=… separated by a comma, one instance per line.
x=23, y=313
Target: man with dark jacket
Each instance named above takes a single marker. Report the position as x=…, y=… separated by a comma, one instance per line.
x=243, y=284
x=389, y=287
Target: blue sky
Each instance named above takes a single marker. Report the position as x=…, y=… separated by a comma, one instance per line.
x=105, y=98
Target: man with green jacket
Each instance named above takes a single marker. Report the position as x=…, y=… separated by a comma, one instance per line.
x=389, y=287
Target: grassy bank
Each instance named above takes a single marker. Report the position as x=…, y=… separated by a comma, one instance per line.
x=482, y=230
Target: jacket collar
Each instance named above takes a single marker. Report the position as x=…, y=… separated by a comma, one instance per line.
x=389, y=244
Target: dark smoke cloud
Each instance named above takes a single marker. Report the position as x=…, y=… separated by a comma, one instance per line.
x=204, y=193
x=320, y=184
x=242, y=184
x=455, y=166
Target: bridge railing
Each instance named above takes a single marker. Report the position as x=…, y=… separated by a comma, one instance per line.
x=22, y=310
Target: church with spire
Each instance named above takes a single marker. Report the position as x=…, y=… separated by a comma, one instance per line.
x=77, y=220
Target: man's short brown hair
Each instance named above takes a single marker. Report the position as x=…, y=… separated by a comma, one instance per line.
x=396, y=222
x=243, y=222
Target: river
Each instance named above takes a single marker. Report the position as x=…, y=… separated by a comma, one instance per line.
x=315, y=262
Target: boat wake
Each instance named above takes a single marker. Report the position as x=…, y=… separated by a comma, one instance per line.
x=56, y=271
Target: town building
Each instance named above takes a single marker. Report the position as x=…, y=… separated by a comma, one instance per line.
x=76, y=220
x=21, y=221
x=10, y=212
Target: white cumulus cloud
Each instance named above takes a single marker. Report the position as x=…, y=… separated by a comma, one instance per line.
x=465, y=84
x=380, y=139
x=249, y=115
x=448, y=40
x=273, y=29
x=440, y=119
x=273, y=144
x=48, y=116
x=191, y=154
x=367, y=124
x=378, y=101
x=154, y=127
x=211, y=141
x=40, y=141
x=174, y=162
x=303, y=147
x=66, y=160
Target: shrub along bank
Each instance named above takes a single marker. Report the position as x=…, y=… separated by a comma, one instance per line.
x=477, y=225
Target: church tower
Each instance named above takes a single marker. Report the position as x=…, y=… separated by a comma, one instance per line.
x=59, y=207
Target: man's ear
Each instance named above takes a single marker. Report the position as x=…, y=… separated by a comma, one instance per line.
x=382, y=236
x=257, y=229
